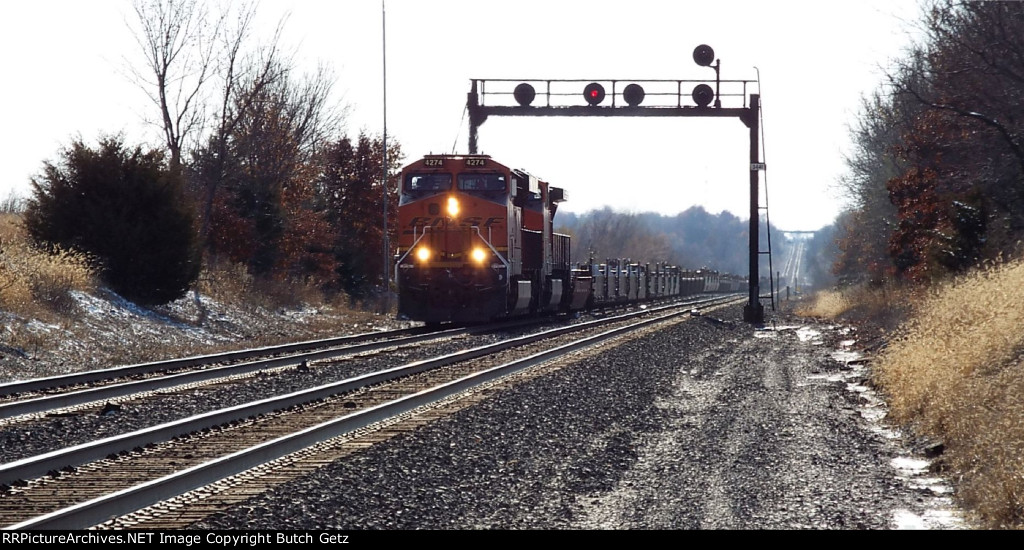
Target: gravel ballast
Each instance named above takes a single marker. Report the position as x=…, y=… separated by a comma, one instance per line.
x=702, y=424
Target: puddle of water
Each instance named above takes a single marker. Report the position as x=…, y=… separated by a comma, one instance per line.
x=884, y=432
x=932, y=519
x=845, y=357
x=875, y=414
x=778, y=328
x=857, y=388
x=910, y=466
x=933, y=484
x=828, y=377
x=905, y=519
x=805, y=334
x=913, y=471
x=944, y=518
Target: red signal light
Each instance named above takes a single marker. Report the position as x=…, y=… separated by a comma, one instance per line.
x=593, y=93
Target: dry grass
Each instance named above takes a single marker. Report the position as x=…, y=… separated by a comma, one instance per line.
x=229, y=282
x=955, y=372
x=34, y=282
x=827, y=304
x=882, y=306
x=58, y=318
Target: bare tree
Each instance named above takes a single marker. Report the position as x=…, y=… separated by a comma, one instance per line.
x=240, y=73
x=203, y=74
x=13, y=204
x=266, y=162
x=178, y=40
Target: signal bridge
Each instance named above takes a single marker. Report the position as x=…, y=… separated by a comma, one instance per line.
x=498, y=97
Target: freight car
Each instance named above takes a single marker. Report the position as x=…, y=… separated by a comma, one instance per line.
x=476, y=242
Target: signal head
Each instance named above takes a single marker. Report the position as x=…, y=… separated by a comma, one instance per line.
x=524, y=94
x=703, y=55
x=702, y=95
x=633, y=94
x=593, y=93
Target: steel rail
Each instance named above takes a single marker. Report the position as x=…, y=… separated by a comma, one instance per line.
x=117, y=390
x=36, y=384
x=123, y=389
x=39, y=465
x=131, y=499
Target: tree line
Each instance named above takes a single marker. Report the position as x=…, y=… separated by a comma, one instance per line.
x=692, y=239
x=936, y=176
x=254, y=168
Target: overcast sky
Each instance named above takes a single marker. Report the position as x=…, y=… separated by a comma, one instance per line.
x=66, y=60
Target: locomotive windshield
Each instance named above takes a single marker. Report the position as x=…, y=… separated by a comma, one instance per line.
x=428, y=182
x=481, y=182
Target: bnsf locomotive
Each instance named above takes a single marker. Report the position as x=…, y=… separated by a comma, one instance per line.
x=476, y=242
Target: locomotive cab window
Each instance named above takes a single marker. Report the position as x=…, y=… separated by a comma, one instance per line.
x=482, y=182
x=428, y=182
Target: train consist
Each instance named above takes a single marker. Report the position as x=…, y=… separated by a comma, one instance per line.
x=476, y=242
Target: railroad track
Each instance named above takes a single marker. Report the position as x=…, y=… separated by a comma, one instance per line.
x=66, y=392
x=23, y=390
x=87, y=484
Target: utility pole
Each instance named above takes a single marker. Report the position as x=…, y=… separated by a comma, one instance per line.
x=384, y=161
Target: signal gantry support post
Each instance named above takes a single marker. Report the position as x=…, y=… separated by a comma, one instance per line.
x=753, y=312
x=633, y=95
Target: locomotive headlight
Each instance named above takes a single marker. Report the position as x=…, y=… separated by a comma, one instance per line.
x=423, y=253
x=479, y=255
x=453, y=206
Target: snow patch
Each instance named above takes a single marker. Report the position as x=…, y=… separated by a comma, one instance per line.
x=39, y=326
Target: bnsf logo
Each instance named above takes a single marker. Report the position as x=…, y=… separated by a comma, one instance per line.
x=425, y=221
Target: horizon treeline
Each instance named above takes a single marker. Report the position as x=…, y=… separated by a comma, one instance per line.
x=692, y=239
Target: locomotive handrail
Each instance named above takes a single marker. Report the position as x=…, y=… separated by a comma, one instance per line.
x=489, y=245
x=411, y=247
x=476, y=228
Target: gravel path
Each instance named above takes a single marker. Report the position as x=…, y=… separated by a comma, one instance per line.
x=706, y=424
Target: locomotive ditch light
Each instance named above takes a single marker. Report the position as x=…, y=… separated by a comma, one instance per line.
x=524, y=94
x=593, y=93
x=703, y=55
x=453, y=206
x=479, y=255
x=703, y=95
x=633, y=94
x=423, y=253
